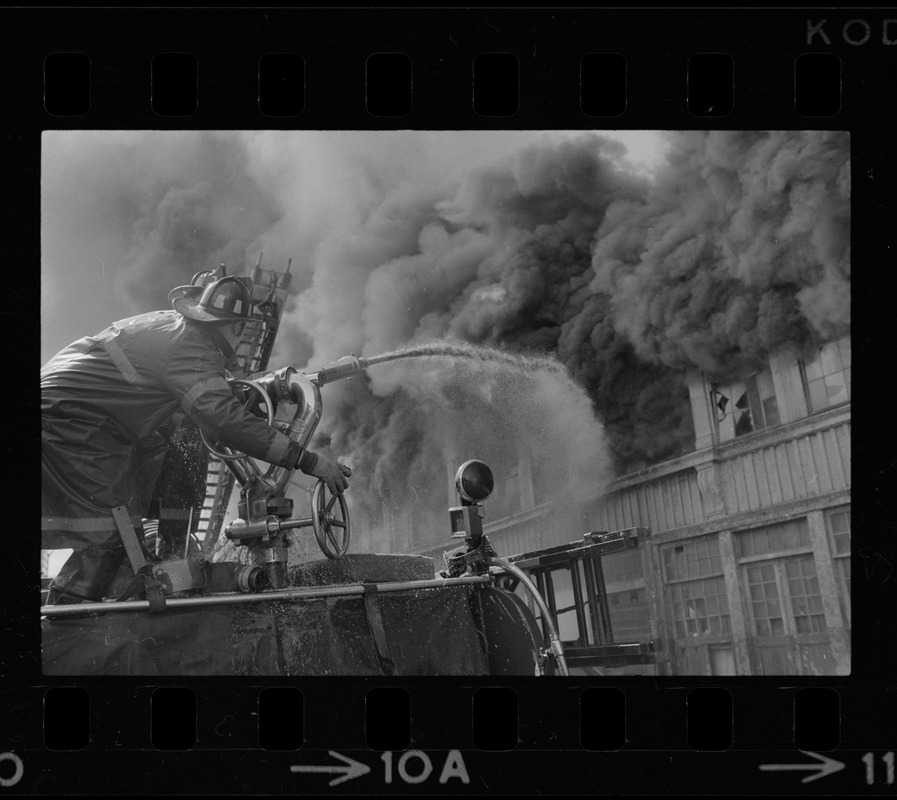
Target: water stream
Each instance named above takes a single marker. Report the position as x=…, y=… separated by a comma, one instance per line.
x=479, y=353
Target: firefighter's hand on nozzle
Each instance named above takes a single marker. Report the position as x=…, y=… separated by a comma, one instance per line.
x=331, y=472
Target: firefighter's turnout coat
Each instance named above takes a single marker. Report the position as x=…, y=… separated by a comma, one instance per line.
x=104, y=397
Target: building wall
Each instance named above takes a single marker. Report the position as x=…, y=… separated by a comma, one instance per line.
x=747, y=570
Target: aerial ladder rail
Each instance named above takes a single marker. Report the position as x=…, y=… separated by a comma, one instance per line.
x=253, y=352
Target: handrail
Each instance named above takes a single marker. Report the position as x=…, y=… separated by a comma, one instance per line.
x=299, y=593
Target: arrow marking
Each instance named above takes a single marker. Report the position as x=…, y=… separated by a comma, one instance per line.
x=826, y=766
x=350, y=768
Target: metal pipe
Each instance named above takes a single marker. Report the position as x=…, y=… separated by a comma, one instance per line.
x=345, y=367
x=189, y=531
x=303, y=593
x=240, y=529
x=556, y=647
x=297, y=388
x=244, y=469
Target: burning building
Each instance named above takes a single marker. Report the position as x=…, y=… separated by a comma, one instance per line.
x=747, y=570
x=732, y=283
x=680, y=344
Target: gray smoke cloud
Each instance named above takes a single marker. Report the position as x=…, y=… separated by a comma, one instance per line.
x=741, y=245
x=126, y=216
x=414, y=419
x=553, y=248
x=490, y=258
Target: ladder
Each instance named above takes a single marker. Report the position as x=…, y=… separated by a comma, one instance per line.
x=253, y=352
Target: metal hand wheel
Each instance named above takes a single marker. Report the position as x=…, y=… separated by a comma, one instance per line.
x=331, y=531
x=227, y=453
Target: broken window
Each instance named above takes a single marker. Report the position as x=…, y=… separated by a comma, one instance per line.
x=743, y=407
x=696, y=588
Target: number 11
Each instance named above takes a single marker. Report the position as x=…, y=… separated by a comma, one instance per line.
x=869, y=761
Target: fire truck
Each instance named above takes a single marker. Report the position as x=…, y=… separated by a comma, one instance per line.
x=178, y=610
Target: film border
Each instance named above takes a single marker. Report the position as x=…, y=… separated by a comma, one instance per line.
x=764, y=45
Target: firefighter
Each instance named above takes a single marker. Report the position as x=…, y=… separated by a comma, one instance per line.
x=103, y=399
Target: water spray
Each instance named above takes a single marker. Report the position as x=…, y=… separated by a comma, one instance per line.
x=265, y=513
x=347, y=366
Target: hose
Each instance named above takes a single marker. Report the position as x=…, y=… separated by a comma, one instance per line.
x=557, y=649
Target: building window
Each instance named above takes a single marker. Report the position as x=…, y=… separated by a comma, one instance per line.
x=803, y=591
x=769, y=620
x=700, y=608
x=783, y=592
x=839, y=526
x=784, y=597
x=791, y=535
x=745, y=407
x=696, y=588
x=827, y=375
x=694, y=559
x=838, y=521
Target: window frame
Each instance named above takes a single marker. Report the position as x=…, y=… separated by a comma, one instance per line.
x=673, y=586
x=841, y=561
x=751, y=386
x=725, y=619
x=799, y=550
x=805, y=381
x=778, y=561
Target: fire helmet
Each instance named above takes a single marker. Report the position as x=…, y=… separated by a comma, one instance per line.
x=223, y=300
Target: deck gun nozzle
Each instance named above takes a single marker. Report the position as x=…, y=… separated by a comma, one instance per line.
x=345, y=367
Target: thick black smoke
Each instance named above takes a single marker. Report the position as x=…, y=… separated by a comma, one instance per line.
x=505, y=260
x=737, y=244
x=741, y=245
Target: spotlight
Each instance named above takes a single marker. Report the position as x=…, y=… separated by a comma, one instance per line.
x=474, y=483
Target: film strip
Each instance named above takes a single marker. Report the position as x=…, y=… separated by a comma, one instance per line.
x=722, y=727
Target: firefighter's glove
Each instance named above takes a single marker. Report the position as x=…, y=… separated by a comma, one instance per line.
x=331, y=472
